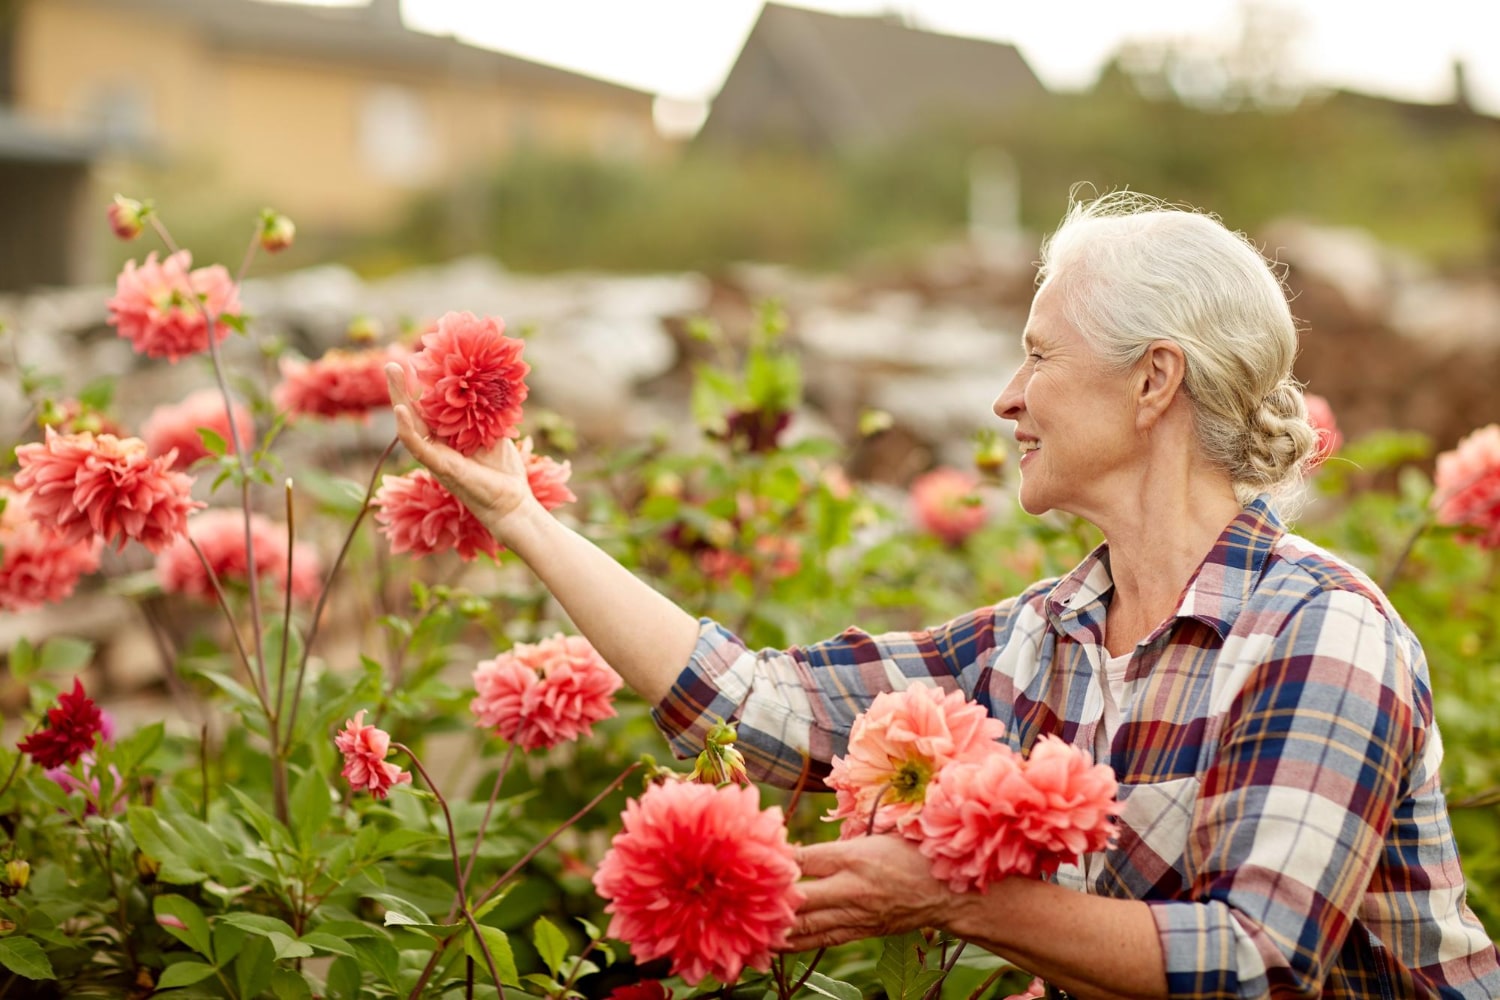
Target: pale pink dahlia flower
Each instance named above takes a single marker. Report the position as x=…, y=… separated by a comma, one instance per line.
x=155, y=309
x=175, y=426
x=472, y=382
x=547, y=477
x=339, y=384
x=702, y=875
x=895, y=748
x=37, y=565
x=420, y=516
x=365, y=749
x=89, y=486
x=537, y=696
x=946, y=502
x=1466, y=486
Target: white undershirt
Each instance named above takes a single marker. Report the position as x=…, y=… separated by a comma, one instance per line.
x=1114, y=702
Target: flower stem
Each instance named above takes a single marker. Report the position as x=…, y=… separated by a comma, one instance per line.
x=495, y=886
x=979, y=992
x=234, y=629
x=463, y=882
x=807, y=974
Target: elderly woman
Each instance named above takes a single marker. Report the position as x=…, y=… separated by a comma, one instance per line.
x=1266, y=711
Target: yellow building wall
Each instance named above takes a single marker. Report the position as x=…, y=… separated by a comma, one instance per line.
x=288, y=132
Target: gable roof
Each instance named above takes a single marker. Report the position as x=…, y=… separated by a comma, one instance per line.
x=862, y=79
x=371, y=34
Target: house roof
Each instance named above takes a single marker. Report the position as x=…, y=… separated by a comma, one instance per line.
x=372, y=34
x=873, y=78
x=28, y=142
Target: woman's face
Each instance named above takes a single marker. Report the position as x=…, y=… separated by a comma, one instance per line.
x=1075, y=425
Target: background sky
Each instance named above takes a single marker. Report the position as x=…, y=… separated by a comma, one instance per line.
x=684, y=48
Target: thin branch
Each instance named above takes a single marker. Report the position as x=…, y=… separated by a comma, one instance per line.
x=213, y=579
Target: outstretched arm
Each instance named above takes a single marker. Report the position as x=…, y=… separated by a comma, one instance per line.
x=642, y=634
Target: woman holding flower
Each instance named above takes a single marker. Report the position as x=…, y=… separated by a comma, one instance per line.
x=1282, y=829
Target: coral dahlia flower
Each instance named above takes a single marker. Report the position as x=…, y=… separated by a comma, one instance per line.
x=339, y=384
x=365, y=749
x=420, y=516
x=1329, y=441
x=72, y=727
x=547, y=477
x=102, y=486
x=155, y=309
x=999, y=816
x=37, y=565
x=1466, y=486
x=537, y=696
x=220, y=534
x=946, y=502
x=176, y=425
x=472, y=381
x=896, y=746
x=702, y=875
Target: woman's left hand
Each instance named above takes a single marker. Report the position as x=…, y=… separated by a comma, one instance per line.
x=863, y=888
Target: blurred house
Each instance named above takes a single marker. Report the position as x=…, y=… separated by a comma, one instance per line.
x=828, y=82
x=330, y=114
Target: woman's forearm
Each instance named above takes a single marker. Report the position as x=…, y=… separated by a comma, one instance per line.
x=1091, y=946
x=642, y=634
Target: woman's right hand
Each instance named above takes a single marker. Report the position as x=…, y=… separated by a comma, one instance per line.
x=492, y=483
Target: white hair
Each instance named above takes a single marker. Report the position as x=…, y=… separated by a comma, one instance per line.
x=1133, y=270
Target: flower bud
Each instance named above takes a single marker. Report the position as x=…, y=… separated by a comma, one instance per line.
x=17, y=874
x=276, y=231
x=665, y=484
x=127, y=217
x=363, y=330
x=6, y=926
x=990, y=456
x=146, y=867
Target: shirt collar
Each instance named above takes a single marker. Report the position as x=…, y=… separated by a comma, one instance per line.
x=1217, y=590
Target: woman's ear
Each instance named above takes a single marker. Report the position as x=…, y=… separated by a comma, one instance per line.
x=1159, y=376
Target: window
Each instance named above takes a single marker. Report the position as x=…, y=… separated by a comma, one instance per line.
x=396, y=137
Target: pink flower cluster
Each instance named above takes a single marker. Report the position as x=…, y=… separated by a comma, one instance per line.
x=472, y=382
x=702, y=875
x=930, y=767
x=100, y=486
x=946, y=503
x=537, y=696
x=1466, y=487
x=159, y=307
x=547, y=477
x=365, y=749
x=37, y=564
x=174, y=427
x=339, y=384
x=220, y=535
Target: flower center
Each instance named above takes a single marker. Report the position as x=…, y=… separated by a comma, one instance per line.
x=909, y=782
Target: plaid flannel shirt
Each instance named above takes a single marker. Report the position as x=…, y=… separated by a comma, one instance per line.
x=1281, y=807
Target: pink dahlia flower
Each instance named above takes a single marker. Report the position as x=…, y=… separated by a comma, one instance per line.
x=87, y=783
x=105, y=487
x=1466, y=486
x=420, y=516
x=648, y=989
x=703, y=875
x=154, y=305
x=339, y=384
x=547, y=477
x=365, y=749
x=946, y=503
x=779, y=556
x=537, y=696
x=37, y=565
x=220, y=534
x=1035, y=990
x=472, y=381
x=176, y=425
x=1329, y=441
x=895, y=748
x=999, y=816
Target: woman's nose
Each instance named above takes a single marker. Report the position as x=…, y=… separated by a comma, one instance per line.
x=1010, y=402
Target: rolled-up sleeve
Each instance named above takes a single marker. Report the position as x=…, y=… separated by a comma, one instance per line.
x=1291, y=818
x=793, y=708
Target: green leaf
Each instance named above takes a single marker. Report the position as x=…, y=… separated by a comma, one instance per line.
x=213, y=441
x=165, y=845
x=194, y=933
x=25, y=958
x=184, y=974
x=252, y=969
x=344, y=979
x=381, y=956
x=828, y=986
x=499, y=945
x=135, y=749
x=289, y=984
x=22, y=659
x=334, y=494
x=331, y=943
x=66, y=654
x=311, y=806
x=98, y=394
x=900, y=968
x=551, y=944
